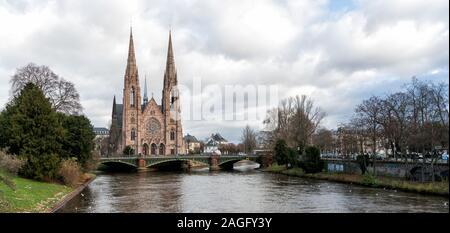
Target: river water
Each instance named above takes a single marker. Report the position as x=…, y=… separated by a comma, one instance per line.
x=241, y=190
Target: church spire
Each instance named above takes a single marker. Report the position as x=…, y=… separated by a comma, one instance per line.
x=114, y=107
x=131, y=61
x=145, y=91
x=170, y=72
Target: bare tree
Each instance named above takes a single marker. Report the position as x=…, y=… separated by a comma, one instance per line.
x=397, y=124
x=248, y=139
x=412, y=121
x=323, y=139
x=369, y=113
x=61, y=93
x=295, y=121
x=306, y=119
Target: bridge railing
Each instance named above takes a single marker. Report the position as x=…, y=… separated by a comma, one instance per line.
x=173, y=156
x=398, y=160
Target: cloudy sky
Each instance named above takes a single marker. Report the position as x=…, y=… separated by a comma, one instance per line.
x=338, y=51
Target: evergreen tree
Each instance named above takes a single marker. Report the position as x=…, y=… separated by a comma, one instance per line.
x=78, y=139
x=30, y=129
x=281, y=152
x=128, y=150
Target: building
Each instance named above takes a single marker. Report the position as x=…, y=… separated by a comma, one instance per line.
x=101, y=132
x=146, y=126
x=192, y=144
x=213, y=143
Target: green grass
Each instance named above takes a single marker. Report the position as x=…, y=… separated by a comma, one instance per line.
x=275, y=168
x=436, y=188
x=294, y=172
x=30, y=195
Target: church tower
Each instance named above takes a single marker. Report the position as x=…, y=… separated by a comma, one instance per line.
x=131, y=101
x=150, y=129
x=171, y=106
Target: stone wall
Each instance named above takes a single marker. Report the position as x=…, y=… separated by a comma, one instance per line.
x=394, y=169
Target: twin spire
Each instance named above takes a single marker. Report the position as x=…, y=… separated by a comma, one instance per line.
x=170, y=64
x=131, y=61
x=145, y=91
x=132, y=71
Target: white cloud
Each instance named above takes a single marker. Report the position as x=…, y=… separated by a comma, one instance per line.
x=338, y=58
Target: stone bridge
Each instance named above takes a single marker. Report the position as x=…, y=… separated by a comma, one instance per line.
x=214, y=161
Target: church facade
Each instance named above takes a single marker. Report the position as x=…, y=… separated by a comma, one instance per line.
x=144, y=125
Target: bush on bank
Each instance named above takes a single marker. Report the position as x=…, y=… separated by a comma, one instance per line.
x=69, y=171
x=310, y=162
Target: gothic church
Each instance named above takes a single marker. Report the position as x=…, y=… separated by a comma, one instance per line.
x=145, y=126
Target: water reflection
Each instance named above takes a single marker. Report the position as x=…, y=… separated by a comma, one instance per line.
x=241, y=190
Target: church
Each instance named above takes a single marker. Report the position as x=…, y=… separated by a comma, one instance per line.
x=144, y=125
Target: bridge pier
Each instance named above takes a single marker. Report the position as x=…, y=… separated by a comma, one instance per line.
x=141, y=164
x=214, y=160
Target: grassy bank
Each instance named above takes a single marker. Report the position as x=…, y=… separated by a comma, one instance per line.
x=32, y=196
x=436, y=188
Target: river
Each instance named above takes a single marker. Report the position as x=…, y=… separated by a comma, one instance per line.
x=241, y=190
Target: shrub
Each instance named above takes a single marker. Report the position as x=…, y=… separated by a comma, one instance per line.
x=294, y=172
x=70, y=172
x=92, y=163
x=128, y=150
x=369, y=180
x=10, y=163
x=311, y=162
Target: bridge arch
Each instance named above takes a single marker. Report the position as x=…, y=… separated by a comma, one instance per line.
x=119, y=165
x=228, y=163
x=153, y=163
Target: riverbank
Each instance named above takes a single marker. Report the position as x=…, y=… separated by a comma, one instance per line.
x=436, y=188
x=32, y=196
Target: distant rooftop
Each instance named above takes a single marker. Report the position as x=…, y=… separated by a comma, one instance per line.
x=101, y=131
x=218, y=137
x=189, y=138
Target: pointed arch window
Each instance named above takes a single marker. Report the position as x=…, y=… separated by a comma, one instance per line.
x=153, y=149
x=172, y=135
x=132, y=97
x=161, y=149
x=133, y=134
